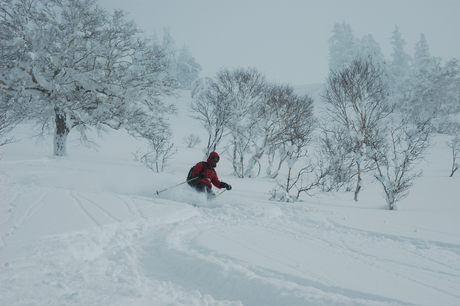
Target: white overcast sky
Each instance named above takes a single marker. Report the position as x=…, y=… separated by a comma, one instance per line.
x=288, y=39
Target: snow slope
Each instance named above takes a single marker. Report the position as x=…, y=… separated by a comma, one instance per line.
x=88, y=230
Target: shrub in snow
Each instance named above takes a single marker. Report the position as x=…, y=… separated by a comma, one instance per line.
x=192, y=140
x=336, y=161
x=212, y=109
x=156, y=158
x=160, y=148
x=251, y=118
x=454, y=145
x=404, y=144
x=280, y=195
x=356, y=99
x=308, y=176
x=243, y=90
x=226, y=107
x=285, y=124
x=451, y=126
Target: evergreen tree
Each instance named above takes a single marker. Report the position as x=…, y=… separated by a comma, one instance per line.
x=423, y=62
x=400, y=61
x=369, y=48
x=182, y=66
x=186, y=69
x=342, y=46
x=427, y=84
x=398, y=72
x=422, y=56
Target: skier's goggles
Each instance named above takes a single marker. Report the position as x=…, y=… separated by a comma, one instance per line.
x=215, y=158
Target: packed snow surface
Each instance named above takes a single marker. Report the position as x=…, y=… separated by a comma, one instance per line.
x=88, y=229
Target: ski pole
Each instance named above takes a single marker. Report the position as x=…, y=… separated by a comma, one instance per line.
x=174, y=186
x=221, y=192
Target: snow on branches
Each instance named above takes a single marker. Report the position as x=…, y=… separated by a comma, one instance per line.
x=79, y=65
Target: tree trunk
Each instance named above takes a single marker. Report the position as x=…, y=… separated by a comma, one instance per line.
x=252, y=163
x=358, y=183
x=288, y=181
x=234, y=165
x=454, y=168
x=391, y=202
x=454, y=164
x=271, y=159
x=60, y=133
x=242, y=165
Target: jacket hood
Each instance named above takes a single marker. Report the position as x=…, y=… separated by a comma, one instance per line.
x=211, y=156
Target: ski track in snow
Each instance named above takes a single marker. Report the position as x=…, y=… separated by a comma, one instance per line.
x=414, y=247
x=102, y=209
x=122, y=248
x=85, y=210
x=310, y=231
x=84, y=230
x=176, y=254
x=63, y=269
x=132, y=207
x=200, y=269
x=409, y=244
x=19, y=215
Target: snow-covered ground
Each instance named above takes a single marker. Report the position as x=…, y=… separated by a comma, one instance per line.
x=88, y=229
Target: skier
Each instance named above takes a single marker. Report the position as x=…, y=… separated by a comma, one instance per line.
x=203, y=174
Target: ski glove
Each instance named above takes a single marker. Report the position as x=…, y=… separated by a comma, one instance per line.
x=226, y=186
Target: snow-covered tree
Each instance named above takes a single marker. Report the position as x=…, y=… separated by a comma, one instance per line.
x=422, y=57
x=448, y=121
x=304, y=174
x=187, y=69
x=243, y=90
x=454, y=145
x=182, y=66
x=297, y=181
x=192, y=140
x=6, y=123
x=160, y=150
x=451, y=127
x=404, y=144
x=424, y=93
x=357, y=102
x=336, y=158
x=434, y=93
x=287, y=125
x=343, y=46
x=212, y=107
x=153, y=128
x=451, y=100
x=445, y=93
x=429, y=90
x=254, y=117
x=282, y=118
x=400, y=60
x=398, y=69
x=369, y=48
x=72, y=65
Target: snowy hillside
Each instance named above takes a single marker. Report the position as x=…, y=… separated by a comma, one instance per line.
x=88, y=229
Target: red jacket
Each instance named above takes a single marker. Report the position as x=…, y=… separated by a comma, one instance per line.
x=206, y=171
